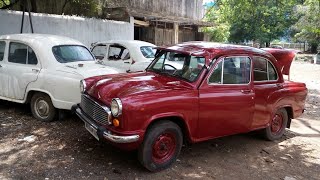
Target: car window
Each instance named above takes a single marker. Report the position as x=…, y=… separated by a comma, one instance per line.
x=2, y=48
x=178, y=65
x=147, y=51
x=71, y=53
x=231, y=70
x=99, y=51
x=21, y=54
x=263, y=70
x=118, y=52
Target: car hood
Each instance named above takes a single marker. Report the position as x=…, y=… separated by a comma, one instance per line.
x=88, y=69
x=104, y=88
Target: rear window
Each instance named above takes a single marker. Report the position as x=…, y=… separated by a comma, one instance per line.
x=71, y=53
x=147, y=51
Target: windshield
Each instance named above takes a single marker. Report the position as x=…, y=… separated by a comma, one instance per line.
x=147, y=51
x=71, y=53
x=178, y=65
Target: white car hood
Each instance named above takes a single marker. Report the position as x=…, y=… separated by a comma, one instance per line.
x=89, y=68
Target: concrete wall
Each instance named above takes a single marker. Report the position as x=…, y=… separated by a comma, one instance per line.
x=86, y=30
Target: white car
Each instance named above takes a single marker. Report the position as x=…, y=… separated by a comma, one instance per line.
x=128, y=55
x=45, y=71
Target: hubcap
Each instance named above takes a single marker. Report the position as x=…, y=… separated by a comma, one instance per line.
x=42, y=108
x=276, y=124
x=164, y=148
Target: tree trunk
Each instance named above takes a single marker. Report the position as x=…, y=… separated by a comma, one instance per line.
x=314, y=47
x=267, y=44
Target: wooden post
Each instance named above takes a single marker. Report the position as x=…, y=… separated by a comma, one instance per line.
x=176, y=33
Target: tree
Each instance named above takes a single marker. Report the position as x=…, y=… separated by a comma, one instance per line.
x=257, y=20
x=308, y=26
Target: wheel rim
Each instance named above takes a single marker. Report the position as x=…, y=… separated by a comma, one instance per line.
x=277, y=123
x=164, y=148
x=42, y=108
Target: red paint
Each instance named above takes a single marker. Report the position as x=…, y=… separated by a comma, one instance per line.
x=164, y=147
x=207, y=111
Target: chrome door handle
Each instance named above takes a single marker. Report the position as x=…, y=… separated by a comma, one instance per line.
x=35, y=70
x=127, y=62
x=279, y=85
x=0, y=65
x=247, y=91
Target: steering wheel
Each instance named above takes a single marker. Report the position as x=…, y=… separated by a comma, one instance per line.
x=174, y=68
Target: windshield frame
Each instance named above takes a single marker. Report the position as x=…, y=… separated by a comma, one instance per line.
x=159, y=53
x=93, y=57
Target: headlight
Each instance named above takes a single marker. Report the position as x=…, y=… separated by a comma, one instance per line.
x=83, y=86
x=116, y=107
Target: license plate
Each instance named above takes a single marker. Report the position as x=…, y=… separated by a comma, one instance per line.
x=92, y=130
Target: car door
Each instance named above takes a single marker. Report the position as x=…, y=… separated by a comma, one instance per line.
x=22, y=68
x=226, y=98
x=266, y=82
x=3, y=76
x=118, y=56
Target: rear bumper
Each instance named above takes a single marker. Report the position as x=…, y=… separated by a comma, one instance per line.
x=103, y=132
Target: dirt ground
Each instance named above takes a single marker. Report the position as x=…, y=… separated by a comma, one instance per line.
x=30, y=149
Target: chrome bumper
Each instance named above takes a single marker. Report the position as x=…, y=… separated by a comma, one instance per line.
x=102, y=131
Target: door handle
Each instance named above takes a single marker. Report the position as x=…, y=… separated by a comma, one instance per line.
x=279, y=85
x=35, y=70
x=126, y=62
x=0, y=66
x=246, y=91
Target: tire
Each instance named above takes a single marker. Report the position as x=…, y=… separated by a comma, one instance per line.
x=277, y=125
x=42, y=107
x=161, y=146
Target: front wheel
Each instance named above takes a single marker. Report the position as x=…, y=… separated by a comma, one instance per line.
x=42, y=107
x=277, y=125
x=161, y=146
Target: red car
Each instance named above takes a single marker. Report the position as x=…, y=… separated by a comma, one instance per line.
x=192, y=92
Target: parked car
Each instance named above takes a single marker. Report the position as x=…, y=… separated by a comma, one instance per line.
x=220, y=90
x=45, y=71
x=128, y=55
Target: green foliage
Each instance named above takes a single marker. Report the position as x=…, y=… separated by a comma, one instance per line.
x=308, y=26
x=4, y=3
x=257, y=20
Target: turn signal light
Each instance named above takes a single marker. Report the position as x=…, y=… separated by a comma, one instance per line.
x=116, y=122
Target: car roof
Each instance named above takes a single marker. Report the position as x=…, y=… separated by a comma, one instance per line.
x=201, y=47
x=47, y=39
x=125, y=43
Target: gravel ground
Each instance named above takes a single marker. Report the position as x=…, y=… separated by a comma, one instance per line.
x=30, y=149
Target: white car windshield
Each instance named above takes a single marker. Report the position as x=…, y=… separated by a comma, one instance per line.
x=71, y=53
x=179, y=65
x=147, y=51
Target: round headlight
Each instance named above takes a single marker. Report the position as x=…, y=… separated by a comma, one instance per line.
x=116, y=107
x=82, y=86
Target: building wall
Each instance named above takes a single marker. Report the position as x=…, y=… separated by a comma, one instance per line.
x=86, y=30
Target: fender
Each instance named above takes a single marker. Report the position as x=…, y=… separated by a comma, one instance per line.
x=170, y=115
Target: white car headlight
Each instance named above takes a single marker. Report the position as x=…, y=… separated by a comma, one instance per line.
x=83, y=86
x=116, y=107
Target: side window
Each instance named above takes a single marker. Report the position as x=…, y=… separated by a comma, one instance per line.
x=117, y=52
x=2, y=48
x=232, y=70
x=21, y=54
x=99, y=51
x=263, y=70
x=272, y=74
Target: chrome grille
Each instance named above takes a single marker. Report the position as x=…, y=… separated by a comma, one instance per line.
x=97, y=112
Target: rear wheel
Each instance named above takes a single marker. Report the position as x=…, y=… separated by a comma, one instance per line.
x=277, y=125
x=42, y=107
x=161, y=146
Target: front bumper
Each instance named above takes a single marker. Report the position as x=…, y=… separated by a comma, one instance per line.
x=103, y=132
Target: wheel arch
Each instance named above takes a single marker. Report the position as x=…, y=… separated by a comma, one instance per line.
x=175, y=119
x=31, y=92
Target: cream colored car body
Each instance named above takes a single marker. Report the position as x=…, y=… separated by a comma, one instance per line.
x=58, y=80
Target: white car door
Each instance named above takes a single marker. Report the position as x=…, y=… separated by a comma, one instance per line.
x=22, y=68
x=3, y=77
x=118, y=56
